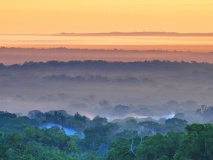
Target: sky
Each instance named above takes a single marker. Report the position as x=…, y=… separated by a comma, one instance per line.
x=55, y=16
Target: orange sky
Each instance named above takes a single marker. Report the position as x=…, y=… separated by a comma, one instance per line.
x=55, y=16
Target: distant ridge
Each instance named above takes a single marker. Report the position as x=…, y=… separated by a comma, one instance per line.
x=108, y=64
x=210, y=34
x=135, y=34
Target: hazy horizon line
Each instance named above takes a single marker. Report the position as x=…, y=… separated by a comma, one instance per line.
x=116, y=33
x=98, y=61
x=88, y=49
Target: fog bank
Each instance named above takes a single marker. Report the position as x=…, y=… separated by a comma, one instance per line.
x=112, y=89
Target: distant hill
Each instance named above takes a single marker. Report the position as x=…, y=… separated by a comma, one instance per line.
x=136, y=34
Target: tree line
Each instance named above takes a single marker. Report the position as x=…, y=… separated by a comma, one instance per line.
x=21, y=138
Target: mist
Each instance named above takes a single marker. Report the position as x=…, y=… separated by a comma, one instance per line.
x=68, y=131
x=112, y=89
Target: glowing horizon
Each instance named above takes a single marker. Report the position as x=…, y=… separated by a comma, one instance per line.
x=37, y=16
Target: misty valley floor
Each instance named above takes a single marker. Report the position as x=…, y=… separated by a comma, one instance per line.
x=113, y=89
x=147, y=110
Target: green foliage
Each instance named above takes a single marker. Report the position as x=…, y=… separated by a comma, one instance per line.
x=120, y=150
x=9, y=123
x=195, y=143
x=97, y=136
x=198, y=142
x=153, y=147
x=99, y=121
x=175, y=124
x=21, y=139
x=163, y=158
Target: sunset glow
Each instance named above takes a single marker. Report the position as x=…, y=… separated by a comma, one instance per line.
x=38, y=16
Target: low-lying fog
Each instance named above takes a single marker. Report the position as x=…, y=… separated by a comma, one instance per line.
x=68, y=131
x=112, y=89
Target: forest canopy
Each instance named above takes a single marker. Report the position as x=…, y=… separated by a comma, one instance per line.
x=98, y=139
